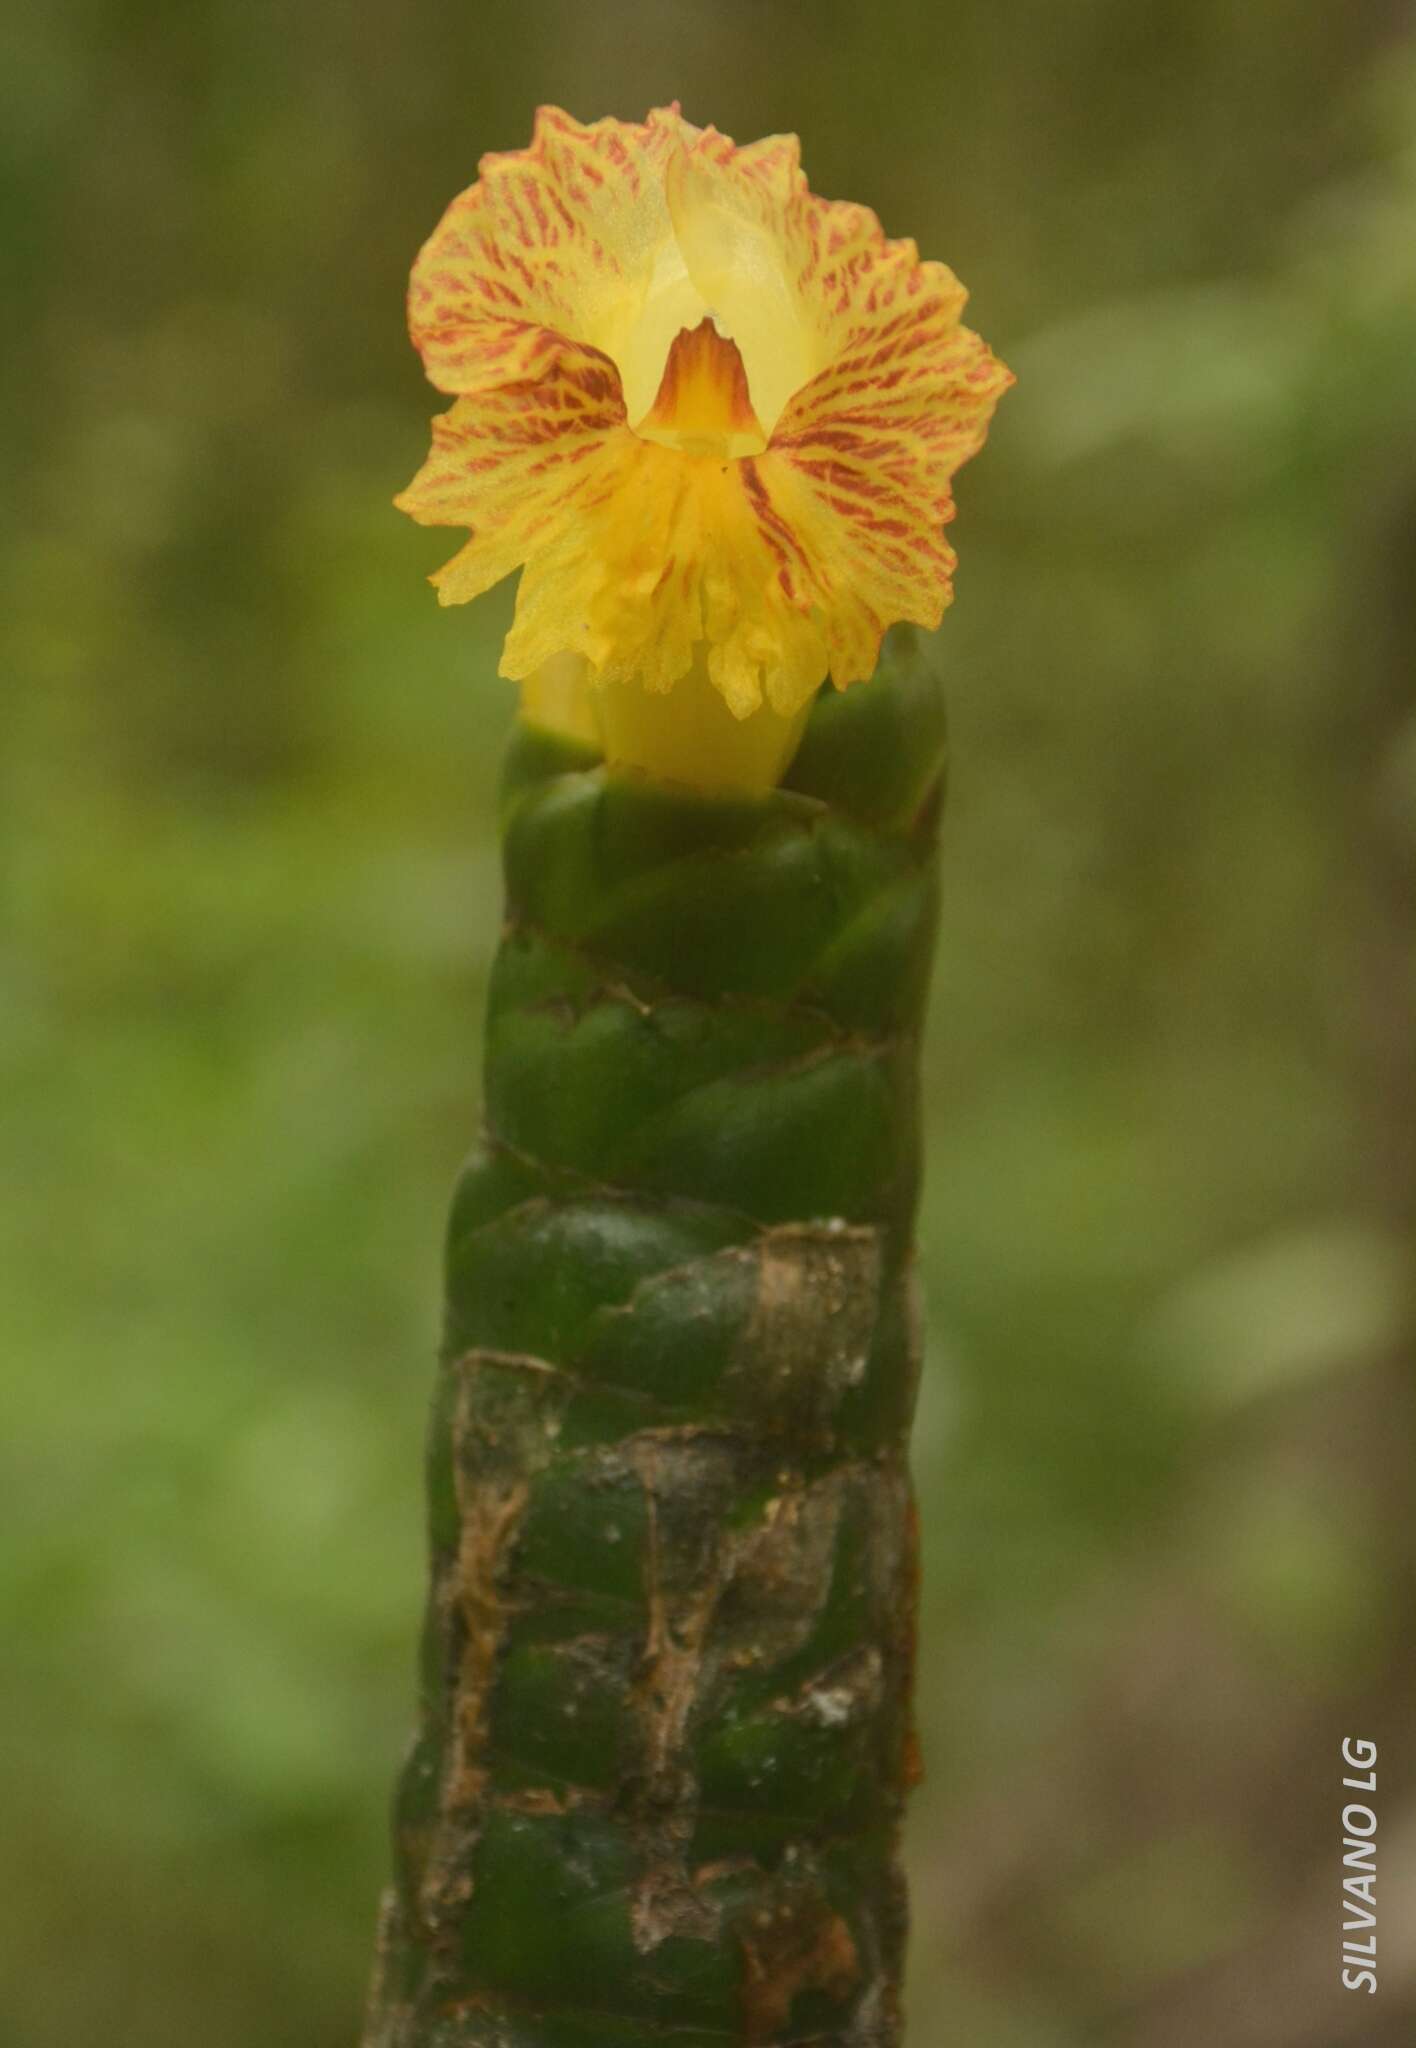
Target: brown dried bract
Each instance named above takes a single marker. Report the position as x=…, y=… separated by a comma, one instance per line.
x=798, y=1945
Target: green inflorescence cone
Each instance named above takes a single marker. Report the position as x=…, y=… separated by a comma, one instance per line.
x=665, y=1733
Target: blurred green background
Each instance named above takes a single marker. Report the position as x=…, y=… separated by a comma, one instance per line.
x=250, y=894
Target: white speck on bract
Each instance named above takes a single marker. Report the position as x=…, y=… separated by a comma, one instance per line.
x=831, y=1707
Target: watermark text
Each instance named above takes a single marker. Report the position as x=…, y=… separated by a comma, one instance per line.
x=1359, y=1869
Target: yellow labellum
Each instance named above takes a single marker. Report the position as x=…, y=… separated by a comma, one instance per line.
x=711, y=418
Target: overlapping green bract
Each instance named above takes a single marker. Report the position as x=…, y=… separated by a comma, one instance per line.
x=665, y=1729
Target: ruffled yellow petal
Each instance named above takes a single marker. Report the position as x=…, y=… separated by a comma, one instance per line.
x=713, y=418
x=858, y=473
x=568, y=235
x=523, y=463
x=666, y=555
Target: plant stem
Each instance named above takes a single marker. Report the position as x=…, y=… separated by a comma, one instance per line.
x=665, y=1736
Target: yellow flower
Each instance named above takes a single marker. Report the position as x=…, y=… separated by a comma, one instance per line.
x=710, y=417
